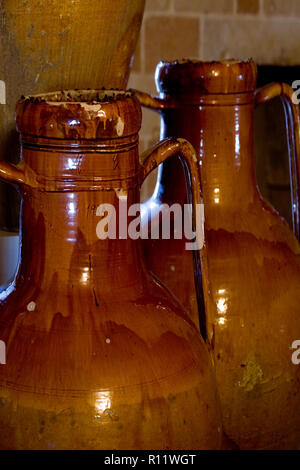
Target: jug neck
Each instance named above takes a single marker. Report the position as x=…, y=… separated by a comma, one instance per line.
x=222, y=133
x=61, y=239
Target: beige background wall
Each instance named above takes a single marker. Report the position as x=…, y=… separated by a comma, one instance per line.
x=267, y=30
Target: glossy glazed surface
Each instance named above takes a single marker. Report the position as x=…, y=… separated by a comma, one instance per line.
x=55, y=45
x=99, y=353
x=251, y=263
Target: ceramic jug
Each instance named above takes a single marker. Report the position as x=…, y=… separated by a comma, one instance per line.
x=55, y=45
x=251, y=267
x=99, y=355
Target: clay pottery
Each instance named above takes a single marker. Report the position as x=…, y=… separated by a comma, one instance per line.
x=54, y=45
x=99, y=353
x=250, y=264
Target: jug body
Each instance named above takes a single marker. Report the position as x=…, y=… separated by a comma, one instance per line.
x=251, y=274
x=99, y=355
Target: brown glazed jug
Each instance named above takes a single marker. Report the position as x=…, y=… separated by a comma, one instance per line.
x=54, y=45
x=250, y=263
x=99, y=355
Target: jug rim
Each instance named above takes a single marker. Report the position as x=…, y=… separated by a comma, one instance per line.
x=88, y=95
x=79, y=114
x=193, y=76
x=195, y=61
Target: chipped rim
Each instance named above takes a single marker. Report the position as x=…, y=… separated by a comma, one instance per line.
x=194, y=61
x=79, y=114
x=76, y=96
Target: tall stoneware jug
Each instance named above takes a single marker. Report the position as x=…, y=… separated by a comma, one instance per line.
x=99, y=355
x=251, y=274
x=54, y=45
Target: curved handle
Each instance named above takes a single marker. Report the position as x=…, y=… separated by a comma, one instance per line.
x=292, y=116
x=168, y=148
x=153, y=102
x=20, y=175
x=151, y=159
x=12, y=173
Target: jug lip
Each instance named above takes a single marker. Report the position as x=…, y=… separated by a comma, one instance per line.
x=79, y=114
x=88, y=96
x=193, y=76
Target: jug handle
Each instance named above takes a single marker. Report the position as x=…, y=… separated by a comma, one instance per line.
x=153, y=102
x=292, y=117
x=12, y=173
x=18, y=175
x=155, y=156
x=167, y=148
